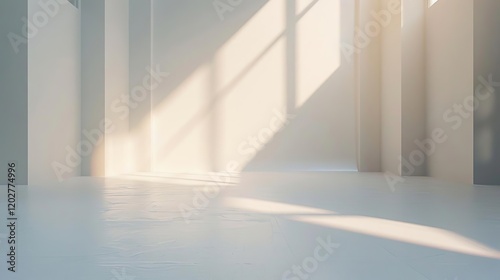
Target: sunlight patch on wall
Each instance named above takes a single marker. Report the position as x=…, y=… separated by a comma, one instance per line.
x=267, y=65
x=250, y=106
x=318, y=47
x=251, y=79
x=180, y=125
x=251, y=42
x=432, y=2
x=303, y=5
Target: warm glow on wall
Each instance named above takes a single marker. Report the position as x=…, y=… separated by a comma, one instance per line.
x=318, y=47
x=184, y=139
x=432, y=2
x=235, y=81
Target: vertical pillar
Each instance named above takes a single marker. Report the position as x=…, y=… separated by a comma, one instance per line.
x=93, y=85
x=413, y=91
x=368, y=89
x=14, y=95
x=141, y=84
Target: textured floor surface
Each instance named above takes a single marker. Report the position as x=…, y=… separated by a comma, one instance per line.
x=344, y=226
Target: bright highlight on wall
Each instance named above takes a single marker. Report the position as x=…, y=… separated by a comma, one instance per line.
x=318, y=44
x=264, y=85
x=432, y=2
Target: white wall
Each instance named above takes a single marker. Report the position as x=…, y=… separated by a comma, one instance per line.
x=231, y=77
x=413, y=117
x=391, y=93
x=14, y=95
x=450, y=81
x=391, y=80
x=124, y=85
x=368, y=81
x=487, y=116
x=54, y=91
x=116, y=88
x=140, y=43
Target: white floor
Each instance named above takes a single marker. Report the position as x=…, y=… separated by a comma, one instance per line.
x=344, y=226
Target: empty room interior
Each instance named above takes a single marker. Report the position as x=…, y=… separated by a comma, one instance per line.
x=249, y=139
